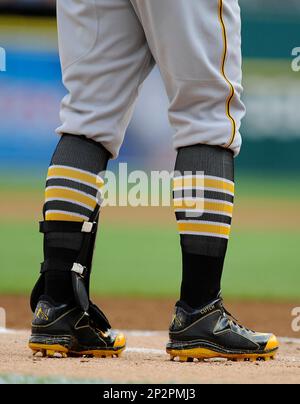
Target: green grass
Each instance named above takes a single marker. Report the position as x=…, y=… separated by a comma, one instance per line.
x=276, y=68
x=268, y=186
x=146, y=262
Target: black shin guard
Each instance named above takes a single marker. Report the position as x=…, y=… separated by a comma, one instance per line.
x=69, y=244
x=80, y=269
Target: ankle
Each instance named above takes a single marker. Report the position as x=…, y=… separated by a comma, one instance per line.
x=58, y=286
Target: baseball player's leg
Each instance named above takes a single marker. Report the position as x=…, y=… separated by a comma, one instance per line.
x=197, y=45
x=105, y=58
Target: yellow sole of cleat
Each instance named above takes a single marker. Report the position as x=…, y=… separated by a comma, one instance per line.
x=49, y=351
x=188, y=355
x=55, y=351
x=101, y=354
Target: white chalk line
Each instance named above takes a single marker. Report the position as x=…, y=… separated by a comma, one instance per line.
x=286, y=340
x=146, y=351
x=5, y=331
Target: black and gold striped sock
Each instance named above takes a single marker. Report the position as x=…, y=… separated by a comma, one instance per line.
x=71, y=195
x=73, y=180
x=203, y=203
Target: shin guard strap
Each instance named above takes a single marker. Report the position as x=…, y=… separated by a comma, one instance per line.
x=68, y=227
x=80, y=268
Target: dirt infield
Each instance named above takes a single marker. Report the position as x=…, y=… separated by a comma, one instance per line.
x=145, y=361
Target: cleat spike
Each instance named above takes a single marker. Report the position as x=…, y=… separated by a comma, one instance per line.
x=189, y=360
x=50, y=353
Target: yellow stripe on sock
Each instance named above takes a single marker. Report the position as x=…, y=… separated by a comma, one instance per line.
x=219, y=184
x=69, y=194
x=198, y=182
x=198, y=227
x=64, y=217
x=188, y=203
x=73, y=174
x=220, y=207
x=188, y=182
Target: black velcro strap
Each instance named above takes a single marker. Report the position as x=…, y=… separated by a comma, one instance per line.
x=67, y=227
x=56, y=265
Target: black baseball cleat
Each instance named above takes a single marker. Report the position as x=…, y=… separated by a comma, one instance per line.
x=67, y=331
x=211, y=332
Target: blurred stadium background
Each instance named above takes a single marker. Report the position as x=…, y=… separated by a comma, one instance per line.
x=137, y=252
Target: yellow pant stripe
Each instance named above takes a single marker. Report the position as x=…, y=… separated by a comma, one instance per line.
x=69, y=194
x=230, y=85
